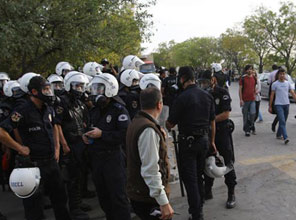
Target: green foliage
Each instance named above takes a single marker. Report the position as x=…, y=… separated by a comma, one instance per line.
x=35, y=35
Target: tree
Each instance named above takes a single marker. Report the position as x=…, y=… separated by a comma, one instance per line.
x=235, y=48
x=257, y=38
x=280, y=29
x=35, y=35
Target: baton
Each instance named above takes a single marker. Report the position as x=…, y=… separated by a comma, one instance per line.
x=175, y=142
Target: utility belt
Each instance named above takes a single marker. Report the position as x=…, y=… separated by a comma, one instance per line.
x=226, y=124
x=42, y=161
x=193, y=136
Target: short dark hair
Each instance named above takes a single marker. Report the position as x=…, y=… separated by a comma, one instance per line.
x=274, y=67
x=248, y=66
x=149, y=98
x=172, y=70
x=37, y=82
x=187, y=73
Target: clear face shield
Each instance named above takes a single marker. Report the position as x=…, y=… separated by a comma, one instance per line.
x=78, y=86
x=97, y=89
x=17, y=92
x=2, y=83
x=57, y=86
x=204, y=83
x=47, y=91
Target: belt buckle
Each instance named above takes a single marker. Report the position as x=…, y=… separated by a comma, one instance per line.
x=190, y=140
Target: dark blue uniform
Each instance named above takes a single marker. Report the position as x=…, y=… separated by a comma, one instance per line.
x=108, y=163
x=36, y=130
x=193, y=111
x=223, y=138
x=132, y=101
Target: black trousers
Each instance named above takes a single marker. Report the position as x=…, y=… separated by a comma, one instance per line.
x=109, y=176
x=192, y=161
x=223, y=141
x=143, y=210
x=52, y=184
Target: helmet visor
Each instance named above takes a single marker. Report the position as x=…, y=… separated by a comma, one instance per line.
x=97, y=89
x=17, y=92
x=2, y=82
x=57, y=86
x=78, y=86
x=47, y=91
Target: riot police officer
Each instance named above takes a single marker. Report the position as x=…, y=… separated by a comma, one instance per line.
x=4, y=78
x=35, y=121
x=72, y=116
x=168, y=91
x=130, y=80
x=194, y=112
x=223, y=139
x=222, y=79
x=109, y=122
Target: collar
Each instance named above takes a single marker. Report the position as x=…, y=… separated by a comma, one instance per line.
x=148, y=116
x=190, y=86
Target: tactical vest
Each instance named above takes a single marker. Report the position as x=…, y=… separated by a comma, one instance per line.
x=137, y=189
x=73, y=124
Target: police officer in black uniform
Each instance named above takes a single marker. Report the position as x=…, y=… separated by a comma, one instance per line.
x=194, y=112
x=35, y=121
x=73, y=116
x=109, y=122
x=167, y=89
x=223, y=139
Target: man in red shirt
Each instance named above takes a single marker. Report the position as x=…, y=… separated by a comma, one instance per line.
x=247, y=93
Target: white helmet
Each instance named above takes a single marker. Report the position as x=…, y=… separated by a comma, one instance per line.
x=109, y=83
x=216, y=67
x=214, y=171
x=24, y=181
x=54, y=78
x=128, y=76
x=63, y=66
x=56, y=82
x=75, y=77
x=25, y=80
x=148, y=80
x=92, y=68
x=131, y=62
x=4, y=76
x=11, y=87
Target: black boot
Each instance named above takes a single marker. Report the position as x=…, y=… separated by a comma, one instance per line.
x=231, y=199
x=208, y=194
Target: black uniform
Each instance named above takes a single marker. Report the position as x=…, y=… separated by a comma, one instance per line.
x=108, y=163
x=223, y=138
x=169, y=92
x=72, y=115
x=193, y=111
x=36, y=130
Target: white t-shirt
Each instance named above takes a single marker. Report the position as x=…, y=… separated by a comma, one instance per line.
x=281, y=90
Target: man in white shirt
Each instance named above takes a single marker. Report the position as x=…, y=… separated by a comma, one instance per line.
x=147, y=162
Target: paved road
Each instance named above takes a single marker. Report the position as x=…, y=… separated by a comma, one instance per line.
x=266, y=171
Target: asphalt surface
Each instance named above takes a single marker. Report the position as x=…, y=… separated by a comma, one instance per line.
x=265, y=168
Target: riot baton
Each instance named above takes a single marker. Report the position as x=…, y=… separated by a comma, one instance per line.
x=175, y=142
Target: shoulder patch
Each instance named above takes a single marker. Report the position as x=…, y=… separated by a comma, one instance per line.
x=15, y=117
x=117, y=105
x=226, y=97
x=122, y=117
x=59, y=110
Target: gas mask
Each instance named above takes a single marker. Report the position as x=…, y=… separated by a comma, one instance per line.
x=98, y=97
x=77, y=89
x=58, y=88
x=46, y=95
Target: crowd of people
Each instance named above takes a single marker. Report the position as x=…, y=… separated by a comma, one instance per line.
x=114, y=126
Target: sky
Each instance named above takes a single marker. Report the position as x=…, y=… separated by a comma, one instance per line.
x=180, y=20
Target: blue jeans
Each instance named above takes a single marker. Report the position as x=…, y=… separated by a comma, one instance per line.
x=249, y=113
x=282, y=112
